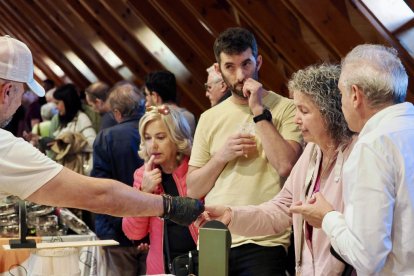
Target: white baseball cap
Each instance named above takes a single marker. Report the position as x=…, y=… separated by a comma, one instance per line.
x=16, y=64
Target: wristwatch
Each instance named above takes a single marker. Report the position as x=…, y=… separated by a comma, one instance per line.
x=266, y=115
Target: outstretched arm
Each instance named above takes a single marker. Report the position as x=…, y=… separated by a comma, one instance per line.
x=100, y=195
x=69, y=189
x=269, y=218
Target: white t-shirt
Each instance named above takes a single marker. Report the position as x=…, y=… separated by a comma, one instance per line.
x=23, y=168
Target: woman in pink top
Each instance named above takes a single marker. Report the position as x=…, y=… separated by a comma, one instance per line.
x=329, y=141
x=165, y=146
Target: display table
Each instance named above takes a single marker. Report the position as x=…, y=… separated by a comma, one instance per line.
x=21, y=262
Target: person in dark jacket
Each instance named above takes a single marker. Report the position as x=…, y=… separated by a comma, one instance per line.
x=115, y=155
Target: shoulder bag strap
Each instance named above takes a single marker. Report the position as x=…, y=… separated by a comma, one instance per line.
x=167, y=248
x=307, y=185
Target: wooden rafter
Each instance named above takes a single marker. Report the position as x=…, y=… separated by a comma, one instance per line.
x=69, y=29
x=37, y=36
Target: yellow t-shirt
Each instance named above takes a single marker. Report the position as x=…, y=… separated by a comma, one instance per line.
x=245, y=180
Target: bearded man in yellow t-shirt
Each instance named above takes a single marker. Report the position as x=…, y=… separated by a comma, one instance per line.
x=243, y=149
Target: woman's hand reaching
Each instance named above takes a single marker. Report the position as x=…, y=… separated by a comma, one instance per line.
x=218, y=212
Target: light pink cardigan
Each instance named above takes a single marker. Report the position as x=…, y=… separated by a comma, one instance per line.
x=273, y=216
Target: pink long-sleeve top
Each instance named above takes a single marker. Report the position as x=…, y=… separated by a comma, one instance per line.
x=312, y=257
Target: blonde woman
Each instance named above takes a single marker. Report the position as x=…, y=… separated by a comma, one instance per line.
x=165, y=146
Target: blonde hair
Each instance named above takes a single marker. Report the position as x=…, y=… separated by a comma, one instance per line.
x=178, y=129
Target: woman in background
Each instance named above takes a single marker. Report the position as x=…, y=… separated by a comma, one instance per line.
x=165, y=147
x=70, y=117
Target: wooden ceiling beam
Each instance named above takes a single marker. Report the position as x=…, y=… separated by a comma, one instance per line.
x=215, y=14
x=37, y=37
x=74, y=36
x=115, y=27
x=408, y=26
x=126, y=39
x=279, y=28
x=127, y=54
x=327, y=22
x=170, y=36
x=188, y=27
x=37, y=58
x=173, y=40
x=123, y=36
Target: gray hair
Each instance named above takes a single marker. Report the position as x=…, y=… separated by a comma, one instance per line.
x=378, y=71
x=216, y=77
x=125, y=98
x=320, y=84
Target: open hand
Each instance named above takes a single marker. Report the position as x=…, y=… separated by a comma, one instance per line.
x=314, y=210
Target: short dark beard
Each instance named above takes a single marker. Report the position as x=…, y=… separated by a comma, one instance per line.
x=238, y=92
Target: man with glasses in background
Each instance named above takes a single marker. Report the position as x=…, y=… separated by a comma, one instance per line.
x=216, y=89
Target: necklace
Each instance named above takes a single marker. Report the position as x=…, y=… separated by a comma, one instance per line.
x=324, y=169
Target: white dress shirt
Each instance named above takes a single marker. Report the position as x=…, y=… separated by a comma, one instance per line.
x=376, y=233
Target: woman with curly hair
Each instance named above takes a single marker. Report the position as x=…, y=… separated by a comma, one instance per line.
x=165, y=147
x=329, y=142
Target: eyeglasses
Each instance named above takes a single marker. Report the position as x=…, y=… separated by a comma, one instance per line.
x=162, y=109
x=207, y=85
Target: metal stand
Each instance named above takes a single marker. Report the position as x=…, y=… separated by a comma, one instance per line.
x=22, y=242
x=214, y=242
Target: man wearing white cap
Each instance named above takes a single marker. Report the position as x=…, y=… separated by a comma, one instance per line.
x=27, y=173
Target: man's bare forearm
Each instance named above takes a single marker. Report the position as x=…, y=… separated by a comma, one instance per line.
x=282, y=154
x=105, y=196
x=201, y=180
